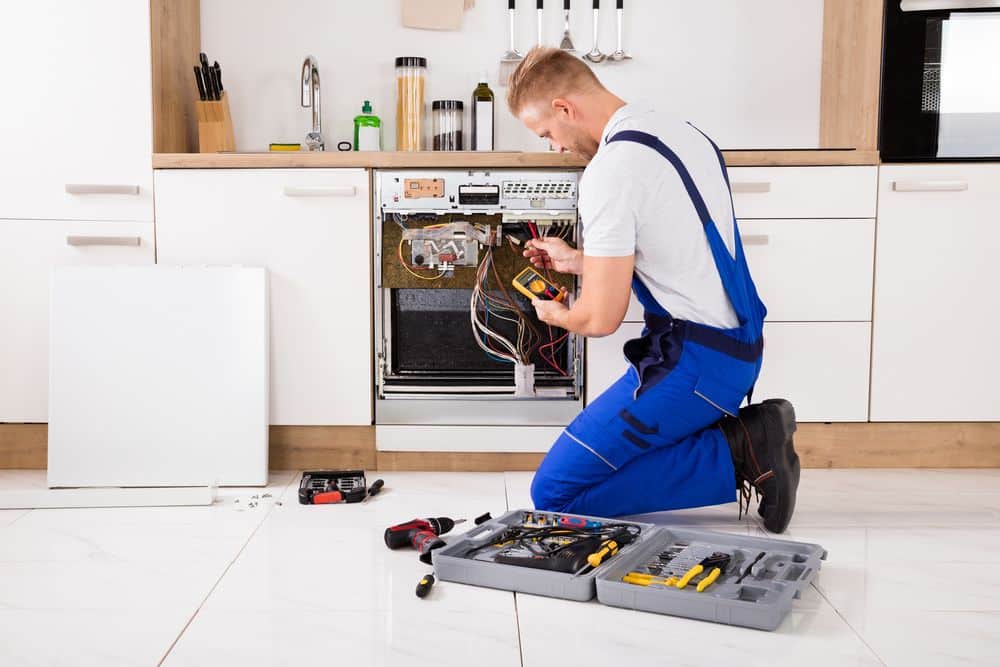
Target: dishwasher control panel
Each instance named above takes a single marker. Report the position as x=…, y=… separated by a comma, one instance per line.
x=472, y=191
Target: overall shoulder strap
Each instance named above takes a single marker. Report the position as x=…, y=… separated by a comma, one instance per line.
x=654, y=142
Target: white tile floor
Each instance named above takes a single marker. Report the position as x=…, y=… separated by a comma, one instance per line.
x=913, y=578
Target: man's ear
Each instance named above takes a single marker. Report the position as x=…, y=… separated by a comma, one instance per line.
x=563, y=108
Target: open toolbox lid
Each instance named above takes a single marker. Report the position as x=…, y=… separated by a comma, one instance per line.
x=755, y=588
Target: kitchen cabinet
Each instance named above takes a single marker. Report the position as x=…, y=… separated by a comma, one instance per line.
x=28, y=251
x=311, y=229
x=809, y=238
x=821, y=367
x=77, y=114
x=935, y=355
x=804, y=192
x=812, y=270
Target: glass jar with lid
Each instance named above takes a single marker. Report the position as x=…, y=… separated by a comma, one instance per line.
x=448, y=124
x=410, y=79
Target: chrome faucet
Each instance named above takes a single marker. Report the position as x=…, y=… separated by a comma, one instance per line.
x=311, y=98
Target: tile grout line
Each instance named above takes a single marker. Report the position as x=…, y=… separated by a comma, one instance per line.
x=23, y=514
x=225, y=571
x=848, y=624
x=517, y=617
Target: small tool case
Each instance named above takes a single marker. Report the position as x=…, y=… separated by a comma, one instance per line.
x=325, y=487
x=544, y=553
x=712, y=576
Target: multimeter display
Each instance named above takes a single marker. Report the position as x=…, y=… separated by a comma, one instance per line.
x=533, y=285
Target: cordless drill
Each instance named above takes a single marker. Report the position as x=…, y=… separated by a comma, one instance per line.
x=421, y=534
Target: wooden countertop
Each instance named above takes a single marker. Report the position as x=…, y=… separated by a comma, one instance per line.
x=467, y=159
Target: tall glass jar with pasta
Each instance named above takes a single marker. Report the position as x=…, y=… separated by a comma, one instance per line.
x=410, y=77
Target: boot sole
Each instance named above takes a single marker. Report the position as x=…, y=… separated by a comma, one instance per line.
x=780, y=425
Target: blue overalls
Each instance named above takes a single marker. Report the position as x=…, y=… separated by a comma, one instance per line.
x=649, y=443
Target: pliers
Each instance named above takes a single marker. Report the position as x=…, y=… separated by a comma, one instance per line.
x=716, y=563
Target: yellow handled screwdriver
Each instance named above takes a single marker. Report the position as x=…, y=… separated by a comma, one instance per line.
x=643, y=579
x=609, y=548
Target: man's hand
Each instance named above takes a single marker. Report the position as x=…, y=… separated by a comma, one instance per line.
x=554, y=253
x=551, y=312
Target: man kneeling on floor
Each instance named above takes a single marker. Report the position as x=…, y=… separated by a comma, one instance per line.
x=658, y=220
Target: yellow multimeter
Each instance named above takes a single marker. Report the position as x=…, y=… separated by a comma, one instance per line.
x=533, y=285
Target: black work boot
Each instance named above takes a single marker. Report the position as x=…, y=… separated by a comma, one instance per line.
x=764, y=457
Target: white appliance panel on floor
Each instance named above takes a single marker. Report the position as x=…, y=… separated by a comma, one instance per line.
x=158, y=377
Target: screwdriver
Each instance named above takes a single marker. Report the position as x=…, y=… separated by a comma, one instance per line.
x=643, y=579
x=610, y=546
x=376, y=487
x=424, y=586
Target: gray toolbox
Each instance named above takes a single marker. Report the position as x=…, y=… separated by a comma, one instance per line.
x=755, y=588
x=469, y=559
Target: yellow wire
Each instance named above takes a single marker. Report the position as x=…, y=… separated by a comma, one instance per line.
x=411, y=271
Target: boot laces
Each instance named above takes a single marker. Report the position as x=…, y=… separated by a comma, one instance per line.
x=746, y=485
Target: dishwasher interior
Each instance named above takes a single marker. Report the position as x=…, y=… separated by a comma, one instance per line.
x=449, y=324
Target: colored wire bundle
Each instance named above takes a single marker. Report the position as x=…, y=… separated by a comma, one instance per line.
x=485, y=305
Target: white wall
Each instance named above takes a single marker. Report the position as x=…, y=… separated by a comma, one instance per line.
x=747, y=72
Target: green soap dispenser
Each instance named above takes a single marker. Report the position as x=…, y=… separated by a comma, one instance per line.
x=367, y=130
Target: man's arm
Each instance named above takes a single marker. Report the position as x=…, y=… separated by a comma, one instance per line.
x=604, y=297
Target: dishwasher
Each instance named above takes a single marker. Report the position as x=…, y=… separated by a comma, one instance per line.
x=455, y=343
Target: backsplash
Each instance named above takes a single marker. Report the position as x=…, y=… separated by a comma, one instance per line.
x=746, y=72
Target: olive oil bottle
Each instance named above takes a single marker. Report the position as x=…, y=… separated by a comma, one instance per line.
x=482, y=117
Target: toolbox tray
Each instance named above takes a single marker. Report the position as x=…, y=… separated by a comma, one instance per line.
x=452, y=564
x=760, y=601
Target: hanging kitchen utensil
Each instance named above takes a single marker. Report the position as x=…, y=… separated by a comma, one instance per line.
x=567, y=42
x=595, y=55
x=511, y=59
x=541, y=6
x=619, y=54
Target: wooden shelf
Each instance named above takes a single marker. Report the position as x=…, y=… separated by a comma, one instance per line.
x=470, y=160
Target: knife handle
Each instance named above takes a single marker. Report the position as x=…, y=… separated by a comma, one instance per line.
x=218, y=75
x=213, y=92
x=201, y=84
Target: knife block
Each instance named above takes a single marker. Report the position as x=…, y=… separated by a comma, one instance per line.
x=215, y=126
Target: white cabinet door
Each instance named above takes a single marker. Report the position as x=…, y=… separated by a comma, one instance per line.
x=822, y=368
x=311, y=229
x=812, y=270
x=804, y=192
x=605, y=360
x=935, y=353
x=28, y=251
x=77, y=110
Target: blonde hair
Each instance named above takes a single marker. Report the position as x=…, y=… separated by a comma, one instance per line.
x=549, y=72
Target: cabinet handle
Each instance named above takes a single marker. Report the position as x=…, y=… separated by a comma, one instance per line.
x=321, y=191
x=748, y=187
x=97, y=189
x=81, y=241
x=930, y=186
x=755, y=239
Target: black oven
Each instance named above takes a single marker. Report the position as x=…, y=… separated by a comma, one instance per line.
x=940, y=81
